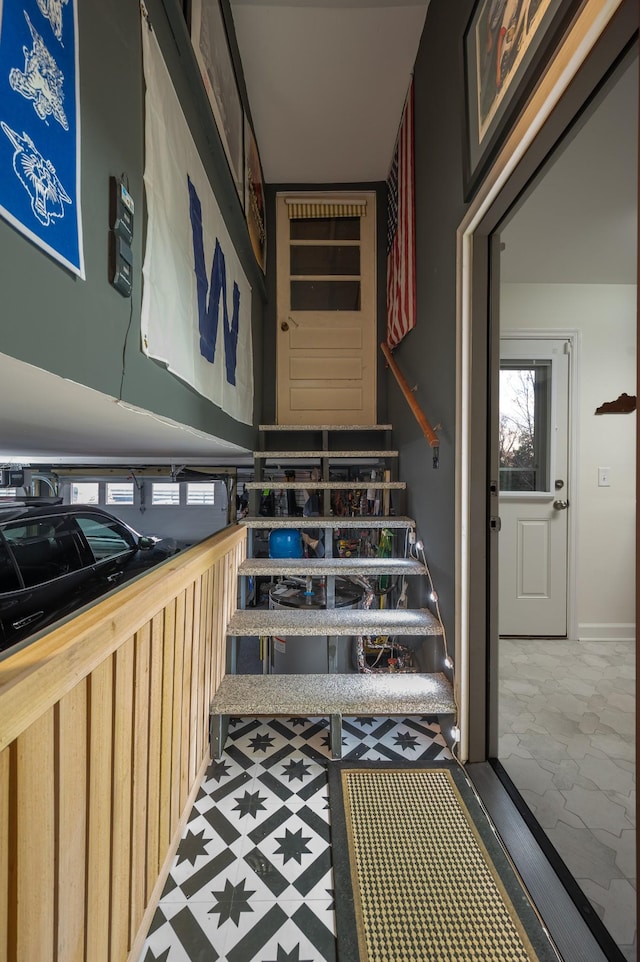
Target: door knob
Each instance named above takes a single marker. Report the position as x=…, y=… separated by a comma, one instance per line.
x=560, y=505
x=284, y=326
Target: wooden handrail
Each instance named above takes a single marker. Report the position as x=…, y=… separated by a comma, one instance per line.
x=426, y=428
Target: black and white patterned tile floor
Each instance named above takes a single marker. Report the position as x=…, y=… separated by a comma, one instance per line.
x=252, y=879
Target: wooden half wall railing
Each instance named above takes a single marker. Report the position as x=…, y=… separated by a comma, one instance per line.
x=416, y=410
x=103, y=745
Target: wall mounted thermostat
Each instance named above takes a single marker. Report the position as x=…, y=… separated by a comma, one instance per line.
x=121, y=209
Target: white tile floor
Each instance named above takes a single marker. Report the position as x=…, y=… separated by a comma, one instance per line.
x=252, y=879
x=567, y=741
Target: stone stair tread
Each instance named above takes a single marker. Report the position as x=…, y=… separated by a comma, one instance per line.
x=334, y=694
x=330, y=521
x=319, y=567
x=325, y=427
x=281, y=455
x=333, y=621
x=323, y=485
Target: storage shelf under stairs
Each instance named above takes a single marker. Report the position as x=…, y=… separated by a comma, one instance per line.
x=334, y=694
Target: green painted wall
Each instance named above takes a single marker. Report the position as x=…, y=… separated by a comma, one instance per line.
x=427, y=355
x=78, y=329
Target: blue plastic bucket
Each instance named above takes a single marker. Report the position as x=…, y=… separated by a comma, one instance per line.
x=285, y=543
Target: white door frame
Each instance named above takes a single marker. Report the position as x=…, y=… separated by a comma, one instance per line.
x=586, y=30
x=573, y=427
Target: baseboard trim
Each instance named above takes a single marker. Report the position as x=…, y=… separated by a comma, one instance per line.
x=615, y=631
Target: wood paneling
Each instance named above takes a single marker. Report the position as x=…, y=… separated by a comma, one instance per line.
x=140, y=820
x=166, y=731
x=72, y=822
x=103, y=740
x=36, y=883
x=4, y=853
x=99, y=813
x=122, y=792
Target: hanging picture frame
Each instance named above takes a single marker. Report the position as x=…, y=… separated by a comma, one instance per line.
x=507, y=44
x=254, y=205
x=213, y=54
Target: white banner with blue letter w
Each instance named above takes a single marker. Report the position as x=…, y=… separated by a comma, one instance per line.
x=40, y=126
x=196, y=303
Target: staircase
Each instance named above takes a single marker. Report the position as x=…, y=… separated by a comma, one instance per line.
x=335, y=693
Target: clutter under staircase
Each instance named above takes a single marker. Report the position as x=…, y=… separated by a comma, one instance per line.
x=363, y=543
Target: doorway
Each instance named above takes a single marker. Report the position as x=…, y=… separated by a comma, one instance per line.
x=534, y=484
x=326, y=309
x=563, y=701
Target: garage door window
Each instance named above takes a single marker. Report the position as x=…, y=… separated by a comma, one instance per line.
x=165, y=492
x=85, y=492
x=200, y=492
x=119, y=492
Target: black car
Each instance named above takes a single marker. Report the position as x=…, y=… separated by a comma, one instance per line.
x=56, y=558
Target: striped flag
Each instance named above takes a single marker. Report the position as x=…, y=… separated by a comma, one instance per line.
x=401, y=252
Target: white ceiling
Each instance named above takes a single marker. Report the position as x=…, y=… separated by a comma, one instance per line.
x=48, y=419
x=326, y=82
x=579, y=224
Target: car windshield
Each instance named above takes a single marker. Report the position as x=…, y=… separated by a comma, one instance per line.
x=106, y=538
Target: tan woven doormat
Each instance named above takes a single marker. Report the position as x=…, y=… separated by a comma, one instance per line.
x=419, y=873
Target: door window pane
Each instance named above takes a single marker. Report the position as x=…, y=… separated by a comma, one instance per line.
x=325, y=295
x=326, y=260
x=325, y=228
x=525, y=406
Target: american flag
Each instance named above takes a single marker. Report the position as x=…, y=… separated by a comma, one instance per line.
x=401, y=253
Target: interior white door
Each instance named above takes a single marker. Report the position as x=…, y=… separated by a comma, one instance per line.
x=534, y=463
